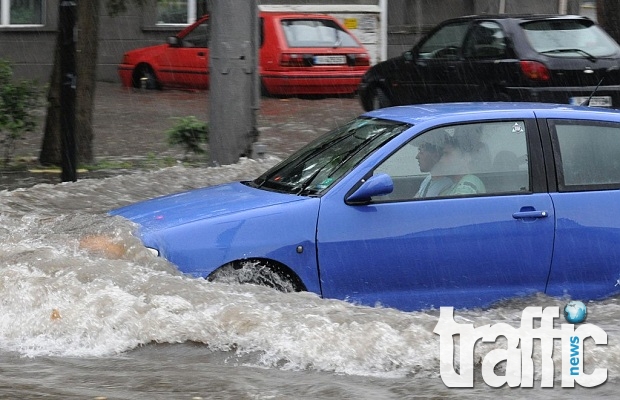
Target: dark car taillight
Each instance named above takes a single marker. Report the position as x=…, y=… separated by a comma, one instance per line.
x=358, y=60
x=535, y=70
x=296, y=60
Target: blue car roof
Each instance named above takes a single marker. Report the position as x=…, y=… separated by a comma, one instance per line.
x=416, y=114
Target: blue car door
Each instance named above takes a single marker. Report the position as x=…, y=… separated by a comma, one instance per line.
x=453, y=248
x=586, y=261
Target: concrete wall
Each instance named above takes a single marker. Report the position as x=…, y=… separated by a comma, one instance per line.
x=31, y=49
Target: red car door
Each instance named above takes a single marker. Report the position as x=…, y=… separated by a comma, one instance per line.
x=185, y=63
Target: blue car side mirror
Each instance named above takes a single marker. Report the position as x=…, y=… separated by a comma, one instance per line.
x=378, y=185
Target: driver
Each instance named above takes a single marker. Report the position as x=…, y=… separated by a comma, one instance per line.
x=448, y=160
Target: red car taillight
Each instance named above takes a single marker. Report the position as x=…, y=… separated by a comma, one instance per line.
x=535, y=71
x=295, y=60
x=358, y=60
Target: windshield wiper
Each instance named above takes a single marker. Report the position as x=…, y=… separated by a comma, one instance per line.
x=305, y=157
x=346, y=156
x=349, y=154
x=584, y=53
x=304, y=185
x=301, y=160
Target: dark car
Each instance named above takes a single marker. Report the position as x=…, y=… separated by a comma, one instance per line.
x=544, y=58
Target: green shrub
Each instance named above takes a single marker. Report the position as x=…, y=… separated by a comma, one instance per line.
x=190, y=133
x=18, y=101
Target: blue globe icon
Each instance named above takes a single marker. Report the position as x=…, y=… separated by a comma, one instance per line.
x=575, y=312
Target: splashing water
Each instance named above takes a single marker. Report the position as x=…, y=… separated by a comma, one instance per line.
x=61, y=300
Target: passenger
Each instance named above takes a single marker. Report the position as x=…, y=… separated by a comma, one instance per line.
x=455, y=163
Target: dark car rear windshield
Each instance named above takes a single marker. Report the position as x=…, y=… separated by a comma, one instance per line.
x=316, y=33
x=568, y=38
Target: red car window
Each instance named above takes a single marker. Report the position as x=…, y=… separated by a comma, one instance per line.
x=316, y=33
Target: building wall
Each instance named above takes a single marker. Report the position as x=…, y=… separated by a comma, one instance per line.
x=31, y=50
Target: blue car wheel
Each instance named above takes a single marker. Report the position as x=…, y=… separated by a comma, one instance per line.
x=258, y=272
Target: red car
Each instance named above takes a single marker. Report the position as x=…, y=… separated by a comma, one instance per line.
x=299, y=54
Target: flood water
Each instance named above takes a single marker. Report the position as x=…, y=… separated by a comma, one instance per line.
x=83, y=325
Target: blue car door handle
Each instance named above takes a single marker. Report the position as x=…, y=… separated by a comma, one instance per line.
x=530, y=214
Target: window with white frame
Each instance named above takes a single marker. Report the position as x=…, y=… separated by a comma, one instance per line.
x=21, y=12
x=180, y=12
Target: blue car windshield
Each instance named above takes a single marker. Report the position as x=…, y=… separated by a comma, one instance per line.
x=317, y=166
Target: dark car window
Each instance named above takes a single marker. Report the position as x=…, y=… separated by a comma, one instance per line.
x=486, y=40
x=588, y=155
x=316, y=33
x=460, y=160
x=314, y=168
x=445, y=43
x=198, y=37
x=568, y=38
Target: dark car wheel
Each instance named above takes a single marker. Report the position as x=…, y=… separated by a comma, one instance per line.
x=257, y=272
x=380, y=99
x=144, y=77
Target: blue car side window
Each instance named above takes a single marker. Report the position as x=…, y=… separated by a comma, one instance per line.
x=461, y=160
x=587, y=154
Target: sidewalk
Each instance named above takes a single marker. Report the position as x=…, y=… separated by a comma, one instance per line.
x=130, y=124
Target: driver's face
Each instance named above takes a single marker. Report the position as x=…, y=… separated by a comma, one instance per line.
x=427, y=157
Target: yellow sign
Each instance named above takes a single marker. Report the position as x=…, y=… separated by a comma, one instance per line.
x=350, y=23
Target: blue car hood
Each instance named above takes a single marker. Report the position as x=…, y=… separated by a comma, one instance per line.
x=182, y=208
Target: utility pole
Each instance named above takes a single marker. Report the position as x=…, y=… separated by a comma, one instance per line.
x=67, y=17
x=233, y=74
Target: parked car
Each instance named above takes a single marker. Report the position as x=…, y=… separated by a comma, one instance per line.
x=299, y=54
x=528, y=203
x=541, y=58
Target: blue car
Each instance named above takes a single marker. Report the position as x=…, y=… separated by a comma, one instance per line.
x=415, y=207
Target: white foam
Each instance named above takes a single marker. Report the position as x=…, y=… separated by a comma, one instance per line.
x=59, y=300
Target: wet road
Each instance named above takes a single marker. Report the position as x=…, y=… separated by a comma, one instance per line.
x=129, y=127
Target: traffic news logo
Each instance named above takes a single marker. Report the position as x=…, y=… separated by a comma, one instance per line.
x=519, y=365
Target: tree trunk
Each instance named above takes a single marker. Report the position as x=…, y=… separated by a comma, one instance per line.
x=86, y=71
x=50, y=148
